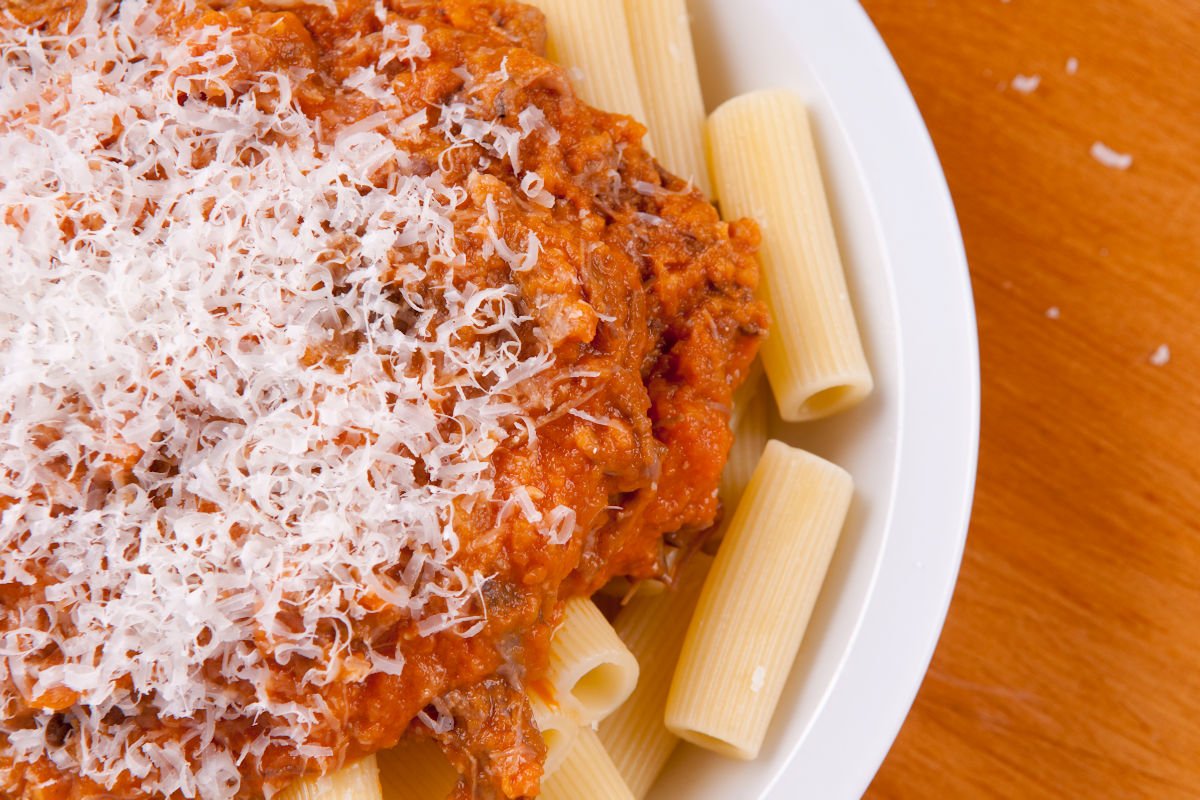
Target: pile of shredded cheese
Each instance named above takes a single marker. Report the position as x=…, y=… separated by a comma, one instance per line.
x=228, y=404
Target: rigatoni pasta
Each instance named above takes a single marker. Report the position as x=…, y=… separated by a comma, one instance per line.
x=587, y=774
x=757, y=601
x=559, y=729
x=749, y=440
x=592, y=36
x=591, y=670
x=765, y=167
x=357, y=781
x=665, y=60
x=415, y=770
x=653, y=627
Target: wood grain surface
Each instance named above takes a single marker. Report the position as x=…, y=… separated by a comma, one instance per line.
x=1070, y=662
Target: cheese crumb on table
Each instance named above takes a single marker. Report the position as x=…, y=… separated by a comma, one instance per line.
x=1111, y=158
x=1026, y=84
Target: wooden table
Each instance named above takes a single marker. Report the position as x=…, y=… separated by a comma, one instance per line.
x=1070, y=662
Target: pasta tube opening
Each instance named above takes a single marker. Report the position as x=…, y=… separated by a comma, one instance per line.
x=825, y=402
x=591, y=669
x=559, y=730
x=415, y=770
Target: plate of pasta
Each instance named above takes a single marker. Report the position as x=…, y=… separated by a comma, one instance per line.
x=423, y=399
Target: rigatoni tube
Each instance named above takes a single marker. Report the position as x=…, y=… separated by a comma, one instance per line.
x=653, y=627
x=415, y=770
x=665, y=60
x=765, y=167
x=559, y=729
x=757, y=602
x=749, y=440
x=587, y=774
x=592, y=36
x=591, y=669
x=357, y=781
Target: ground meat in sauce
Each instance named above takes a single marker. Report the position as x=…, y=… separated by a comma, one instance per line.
x=645, y=295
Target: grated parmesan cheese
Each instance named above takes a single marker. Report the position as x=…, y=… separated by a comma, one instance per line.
x=1026, y=84
x=1111, y=158
x=192, y=460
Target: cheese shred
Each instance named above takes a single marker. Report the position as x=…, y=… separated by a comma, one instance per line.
x=234, y=394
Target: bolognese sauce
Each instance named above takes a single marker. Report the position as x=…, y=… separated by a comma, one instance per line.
x=342, y=344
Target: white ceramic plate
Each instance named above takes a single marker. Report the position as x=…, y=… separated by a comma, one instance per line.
x=911, y=448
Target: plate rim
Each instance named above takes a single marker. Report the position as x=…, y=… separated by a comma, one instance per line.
x=870, y=697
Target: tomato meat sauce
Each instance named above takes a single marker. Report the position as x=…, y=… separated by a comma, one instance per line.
x=642, y=296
